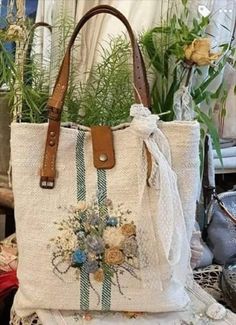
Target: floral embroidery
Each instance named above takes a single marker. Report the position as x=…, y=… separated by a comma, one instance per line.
x=99, y=239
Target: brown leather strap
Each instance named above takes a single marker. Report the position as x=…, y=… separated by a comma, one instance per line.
x=103, y=150
x=139, y=72
x=41, y=24
x=55, y=103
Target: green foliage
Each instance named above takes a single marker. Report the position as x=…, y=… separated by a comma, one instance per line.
x=7, y=71
x=107, y=95
x=104, y=99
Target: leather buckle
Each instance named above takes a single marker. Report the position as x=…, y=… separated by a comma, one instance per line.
x=47, y=182
x=54, y=113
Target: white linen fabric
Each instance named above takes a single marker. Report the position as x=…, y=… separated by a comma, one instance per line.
x=196, y=314
x=183, y=139
x=163, y=243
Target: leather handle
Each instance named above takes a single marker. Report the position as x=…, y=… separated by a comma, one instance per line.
x=55, y=103
x=139, y=73
x=41, y=24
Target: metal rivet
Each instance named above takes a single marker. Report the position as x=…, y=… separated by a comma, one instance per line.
x=51, y=143
x=103, y=157
x=52, y=134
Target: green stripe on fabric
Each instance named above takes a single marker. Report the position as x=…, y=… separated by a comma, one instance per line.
x=106, y=293
x=102, y=195
x=84, y=289
x=80, y=167
x=81, y=196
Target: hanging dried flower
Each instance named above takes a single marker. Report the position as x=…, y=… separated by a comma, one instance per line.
x=15, y=32
x=198, y=52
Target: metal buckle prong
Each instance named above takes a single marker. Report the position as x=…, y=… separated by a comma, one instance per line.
x=47, y=182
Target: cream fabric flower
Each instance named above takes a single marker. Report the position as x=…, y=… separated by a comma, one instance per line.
x=113, y=236
x=81, y=206
x=67, y=241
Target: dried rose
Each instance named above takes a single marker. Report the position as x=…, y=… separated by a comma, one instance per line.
x=113, y=256
x=198, y=52
x=128, y=229
x=15, y=32
x=113, y=236
x=99, y=275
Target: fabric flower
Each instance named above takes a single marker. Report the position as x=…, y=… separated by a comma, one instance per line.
x=66, y=241
x=91, y=266
x=99, y=275
x=130, y=247
x=198, y=52
x=95, y=244
x=81, y=206
x=80, y=234
x=114, y=256
x=79, y=257
x=128, y=229
x=113, y=237
x=112, y=221
x=108, y=203
x=93, y=219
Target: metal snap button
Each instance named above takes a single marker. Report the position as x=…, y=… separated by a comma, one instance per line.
x=103, y=157
x=52, y=134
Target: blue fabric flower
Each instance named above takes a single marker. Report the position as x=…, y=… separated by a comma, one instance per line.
x=79, y=257
x=95, y=244
x=112, y=221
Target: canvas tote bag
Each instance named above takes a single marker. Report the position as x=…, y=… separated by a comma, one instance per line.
x=99, y=220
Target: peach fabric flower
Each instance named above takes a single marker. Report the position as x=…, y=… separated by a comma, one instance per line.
x=81, y=206
x=113, y=256
x=128, y=229
x=99, y=275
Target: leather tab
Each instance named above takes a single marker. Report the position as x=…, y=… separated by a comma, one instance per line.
x=103, y=149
